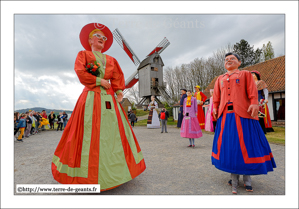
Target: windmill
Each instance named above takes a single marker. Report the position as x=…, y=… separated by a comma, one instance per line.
x=149, y=72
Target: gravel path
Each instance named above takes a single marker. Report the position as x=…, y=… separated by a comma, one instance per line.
x=172, y=167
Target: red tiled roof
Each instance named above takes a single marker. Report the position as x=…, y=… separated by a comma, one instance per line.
x=272, y=72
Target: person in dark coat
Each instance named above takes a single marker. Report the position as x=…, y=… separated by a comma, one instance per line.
x=51, y=117
x=38, y=119
x=65, y=119
x=180, y=118
x=132, y=118
x=60, y=121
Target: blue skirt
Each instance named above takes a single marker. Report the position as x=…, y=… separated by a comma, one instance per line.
x=240, y=146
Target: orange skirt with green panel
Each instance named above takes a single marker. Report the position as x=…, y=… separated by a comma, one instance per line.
x=98, y=145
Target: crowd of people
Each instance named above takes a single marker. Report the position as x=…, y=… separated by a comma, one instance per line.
x=32, y=122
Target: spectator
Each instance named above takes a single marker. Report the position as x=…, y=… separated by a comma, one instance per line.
x=32, y=131
x=163, y=116
x=65, y=119
x=60, y=121
x=44, y=115
x=29, y=125
x=43, y=122
x=37, y=121
x=132, y=118
x=16, y=129
x=51, y=119
x=22, y=126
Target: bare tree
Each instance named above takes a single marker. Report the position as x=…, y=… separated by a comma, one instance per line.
x=200, y=72
x=133, y=94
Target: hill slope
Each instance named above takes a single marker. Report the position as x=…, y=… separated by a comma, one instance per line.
x=39, y=109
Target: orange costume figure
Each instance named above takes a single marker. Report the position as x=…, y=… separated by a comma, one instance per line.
x=98, y=145
x=201, y=98
x=263, y=95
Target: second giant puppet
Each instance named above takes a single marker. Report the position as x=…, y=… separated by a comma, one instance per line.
x=98, y=145
x=201, y=98
x=240, y=146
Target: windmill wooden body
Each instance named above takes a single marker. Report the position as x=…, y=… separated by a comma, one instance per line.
x=149, y=72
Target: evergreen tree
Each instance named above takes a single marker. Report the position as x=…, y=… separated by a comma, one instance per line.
x=258, y=55
x=247, y=54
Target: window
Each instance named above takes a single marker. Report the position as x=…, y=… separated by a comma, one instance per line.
x=155, y=82
x=279, y=109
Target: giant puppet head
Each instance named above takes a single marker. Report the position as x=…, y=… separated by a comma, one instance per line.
x=96, y=36
x=256, y=75
x=153, y=98
x=232, y=61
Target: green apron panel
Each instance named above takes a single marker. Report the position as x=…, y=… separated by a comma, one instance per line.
x=113, y=169
x=101, y=68
x=137, y=156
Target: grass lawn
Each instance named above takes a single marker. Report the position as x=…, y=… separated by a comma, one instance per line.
x=141, y=122
x=144, y=122
x=142, y=113
x=277, y=137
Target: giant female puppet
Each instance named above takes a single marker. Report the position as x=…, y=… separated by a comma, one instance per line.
x=153, y=119
x=98, y=145
x=263, y=95
x=240, y=146
x=190, y=127
x=201, y=98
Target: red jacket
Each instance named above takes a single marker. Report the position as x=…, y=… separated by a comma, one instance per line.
x=44, y=115
x=238, y=88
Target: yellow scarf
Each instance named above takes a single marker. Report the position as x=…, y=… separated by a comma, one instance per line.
x=188, y=102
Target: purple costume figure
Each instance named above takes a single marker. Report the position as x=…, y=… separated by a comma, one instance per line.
x=190, y=126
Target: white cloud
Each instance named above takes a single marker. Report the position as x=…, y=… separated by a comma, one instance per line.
x=22, y=101
x=68, y=74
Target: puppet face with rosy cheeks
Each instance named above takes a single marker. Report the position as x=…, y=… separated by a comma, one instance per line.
x=254, y=76
x=231, y=63
x=97, y=44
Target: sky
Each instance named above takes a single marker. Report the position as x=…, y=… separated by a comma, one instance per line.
x=46, y=46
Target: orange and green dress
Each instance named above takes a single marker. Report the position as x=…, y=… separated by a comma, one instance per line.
x=98, y=145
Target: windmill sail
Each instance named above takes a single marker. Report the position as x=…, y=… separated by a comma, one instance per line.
x=160, y=47
x=132, y=80
x=125, y=46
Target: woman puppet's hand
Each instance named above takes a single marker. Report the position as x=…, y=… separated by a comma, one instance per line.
x=105, y=84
